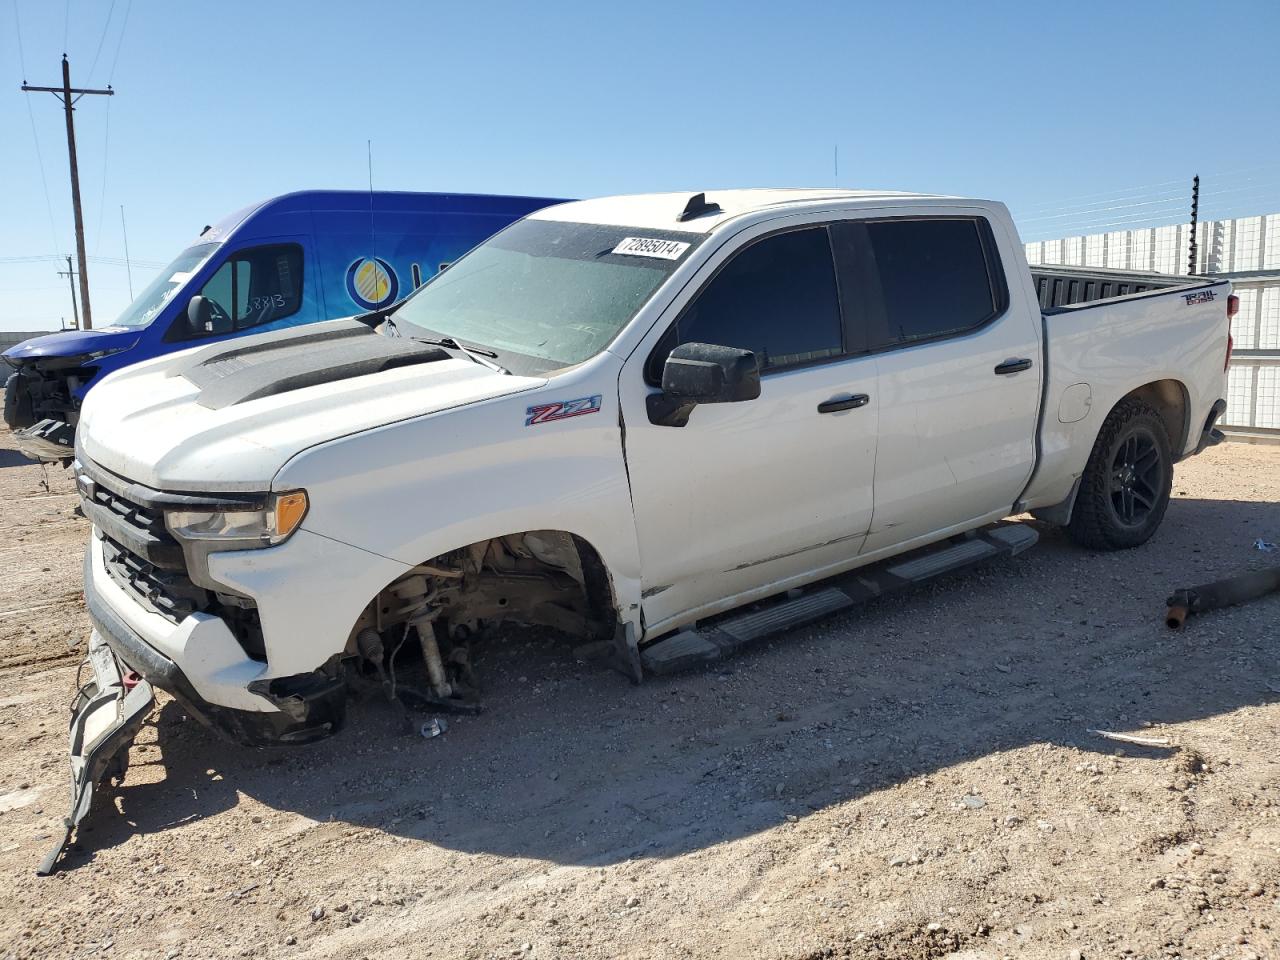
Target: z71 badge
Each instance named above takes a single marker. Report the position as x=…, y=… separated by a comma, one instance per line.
x=561, y=410
x=1200, y=296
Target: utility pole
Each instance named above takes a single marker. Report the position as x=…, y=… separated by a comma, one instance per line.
x=71, y=279
x=64, y=93
x=1195, y=210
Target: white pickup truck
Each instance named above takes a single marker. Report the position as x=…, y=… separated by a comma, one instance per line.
x=625, y=419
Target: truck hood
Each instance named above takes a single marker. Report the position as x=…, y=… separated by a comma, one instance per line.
x=73, y=343
x=229, y=416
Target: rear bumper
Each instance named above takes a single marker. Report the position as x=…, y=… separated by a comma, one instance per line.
x=226, y=674
x=1211, y=435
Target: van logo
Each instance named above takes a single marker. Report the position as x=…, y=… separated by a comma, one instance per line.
x=561, y=410
x=372, y=283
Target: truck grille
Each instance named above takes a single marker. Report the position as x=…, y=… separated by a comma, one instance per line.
x=169, y=592
x=143, y=557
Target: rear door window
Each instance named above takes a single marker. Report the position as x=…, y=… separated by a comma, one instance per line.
x=936, y=278
x=777, y=298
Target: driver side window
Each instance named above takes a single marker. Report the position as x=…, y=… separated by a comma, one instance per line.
x=254, y=287
x=777, y=298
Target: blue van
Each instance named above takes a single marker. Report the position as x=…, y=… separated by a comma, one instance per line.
x=303, y=257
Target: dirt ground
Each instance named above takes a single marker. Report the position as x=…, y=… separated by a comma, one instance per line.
x=914, y=779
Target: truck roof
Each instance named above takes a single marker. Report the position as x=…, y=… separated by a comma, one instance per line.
x=662, y=211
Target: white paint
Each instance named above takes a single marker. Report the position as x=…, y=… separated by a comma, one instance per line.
x=747, y=500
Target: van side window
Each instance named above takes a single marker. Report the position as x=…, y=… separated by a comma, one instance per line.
x=255, y=286
x=777, y=298
x=934, y=277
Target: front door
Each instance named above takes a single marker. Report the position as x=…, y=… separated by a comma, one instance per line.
x=748, y=495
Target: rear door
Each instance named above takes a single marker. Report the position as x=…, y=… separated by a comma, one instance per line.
x=958, y=374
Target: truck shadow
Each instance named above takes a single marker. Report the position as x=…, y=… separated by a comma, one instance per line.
x=572, y=765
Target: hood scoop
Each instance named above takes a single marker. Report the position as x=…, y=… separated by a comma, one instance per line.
x=284, y=360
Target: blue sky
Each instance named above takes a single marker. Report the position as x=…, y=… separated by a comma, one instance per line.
x=1083, y=108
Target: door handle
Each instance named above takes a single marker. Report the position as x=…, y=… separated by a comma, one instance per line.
x=847, y=402
x=1013, y=366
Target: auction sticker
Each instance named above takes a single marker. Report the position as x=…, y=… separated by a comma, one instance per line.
x=651, y=247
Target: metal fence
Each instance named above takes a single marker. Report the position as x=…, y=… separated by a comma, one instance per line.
x=1253, y=382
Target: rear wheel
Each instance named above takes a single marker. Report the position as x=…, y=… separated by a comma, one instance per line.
x=1124, y=491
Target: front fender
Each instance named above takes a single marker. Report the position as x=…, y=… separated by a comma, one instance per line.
x=416, y=489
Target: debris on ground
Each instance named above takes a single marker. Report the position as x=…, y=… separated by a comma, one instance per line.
x=434, y=727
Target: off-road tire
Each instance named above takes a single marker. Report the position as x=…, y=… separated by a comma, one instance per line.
x=1098, y=519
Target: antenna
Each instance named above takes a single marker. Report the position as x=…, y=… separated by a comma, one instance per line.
x=127, y=266
x=696, y=207
x=835, y=163
x=373, y=233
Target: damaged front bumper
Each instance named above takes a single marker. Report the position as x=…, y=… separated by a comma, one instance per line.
x=49, y=441
x=110, y=709
x=106, y=717
x=315, y=709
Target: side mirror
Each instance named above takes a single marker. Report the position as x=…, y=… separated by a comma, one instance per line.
x=199, y=316
x=697, y=373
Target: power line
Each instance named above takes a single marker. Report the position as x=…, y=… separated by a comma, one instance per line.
x=1119, y=206
x=1090, y=223
x=109, y=261
x=22, y=57
x=1142, y=192
x=1104, y=197
x=105, y=27
x=119, y=41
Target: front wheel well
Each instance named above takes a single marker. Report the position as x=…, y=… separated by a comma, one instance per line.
x=546, y=578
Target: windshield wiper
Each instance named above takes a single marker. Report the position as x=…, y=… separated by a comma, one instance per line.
x=471, y=353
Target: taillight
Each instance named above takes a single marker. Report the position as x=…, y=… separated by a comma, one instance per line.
x=1233, y=307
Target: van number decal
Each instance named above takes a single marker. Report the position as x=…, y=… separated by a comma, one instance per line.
x=561, y=410
x=1200, y=296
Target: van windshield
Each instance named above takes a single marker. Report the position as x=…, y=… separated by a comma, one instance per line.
x=550, y=293
x=149, y=303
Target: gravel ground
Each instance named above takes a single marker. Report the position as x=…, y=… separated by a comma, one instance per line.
x=914, y=779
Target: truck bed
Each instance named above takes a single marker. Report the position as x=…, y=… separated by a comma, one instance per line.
x=1062, y=286
x=1097, y=351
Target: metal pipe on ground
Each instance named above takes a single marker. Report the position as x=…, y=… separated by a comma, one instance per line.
x=1221, y=593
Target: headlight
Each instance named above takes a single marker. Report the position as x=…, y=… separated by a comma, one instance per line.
x=99, y=354
x=242, y=529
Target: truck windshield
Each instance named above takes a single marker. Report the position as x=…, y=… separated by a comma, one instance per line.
x=552, y=293
x=149, y=303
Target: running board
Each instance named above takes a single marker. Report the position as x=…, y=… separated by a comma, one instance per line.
x=714, y=640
